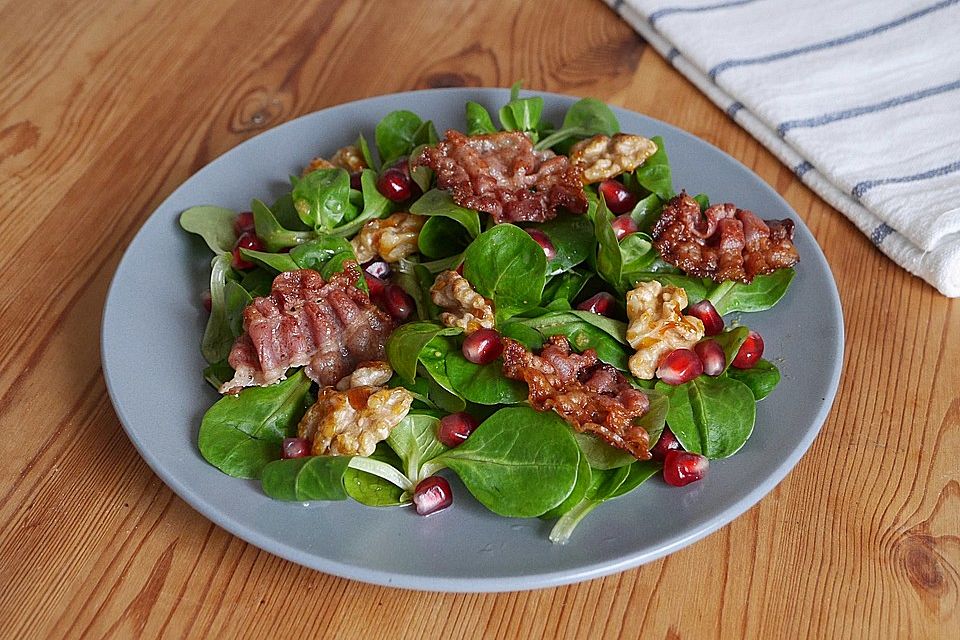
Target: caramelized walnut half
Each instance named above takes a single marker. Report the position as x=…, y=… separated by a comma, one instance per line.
x=589, y=394
x=463, y=307
x=352, y=422
x=723, y=242
x=657, y=326
x=392, y=238
x=348, y=157
x=601, y=158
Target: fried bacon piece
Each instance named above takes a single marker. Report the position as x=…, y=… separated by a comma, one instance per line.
x=723, y=242
x=589, y=394
x=329, y=327
x=502, y=175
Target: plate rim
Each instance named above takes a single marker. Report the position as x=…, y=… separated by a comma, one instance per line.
x=482, y=584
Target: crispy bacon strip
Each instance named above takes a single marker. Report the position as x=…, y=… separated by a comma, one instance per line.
x=502, y=175
x=723, y=242
x=328, y=327
x=589, y=394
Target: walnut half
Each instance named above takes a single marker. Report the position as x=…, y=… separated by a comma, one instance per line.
x=657, y=325
x=348, y=157
x=601, y=158
x=463, y=307
x=352, y=422
x=392, y=238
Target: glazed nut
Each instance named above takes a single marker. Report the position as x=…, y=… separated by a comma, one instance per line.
x=352, y=422
x=349, y=158
x=601, y=158
x=375, y=373
x=657, y=326
x=392, y=238
x=315, y=164
x=463, y=307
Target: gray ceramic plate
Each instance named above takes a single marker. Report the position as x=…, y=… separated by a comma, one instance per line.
x=151, y=361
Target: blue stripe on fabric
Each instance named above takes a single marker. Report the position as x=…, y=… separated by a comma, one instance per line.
x=878, y=235
x=802, y=168
x=732, y=109
x=827, y=44
x=846, y=114
x=862, y=187
x=672, y=54
x=659, y=13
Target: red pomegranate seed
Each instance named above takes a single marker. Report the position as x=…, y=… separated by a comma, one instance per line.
x=602, y=304
x=455, y=428
x=680, y=365
x=667, y=443
x=624, y=226
x=375, y=285
x=459, y=269
x=482, y=346
x=681, y=468
x=207, y=301
x=378, y=268
x=355, y=182
x=295, y=448
x=394, y=185
x=544, y=241
x=398, y=302
x=618, y=197
x=712, y=356
x=750, y=351
x=247, y=240
x=712, y=321
x=431, y=495
x=243, y=223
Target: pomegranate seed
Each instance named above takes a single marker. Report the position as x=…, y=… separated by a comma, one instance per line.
x=207, y=301
x=403, y=164
x=398, y=302
x=680, y=365
x=455, y=428
x=667, y=443
x=459, y=269
x=707, y=313
x=374, y=284
x=750, y=351
x=394, y=185
x=355, y=182
x=544, y=241
x=602, y=304
x=378, y=268
x=243, y=223
x=482, y=346
x=247, y=240
x=624, y=226
x=295, y=448
x=431, y=495
x=681, y=468
x=712, y=356
x=618, y=197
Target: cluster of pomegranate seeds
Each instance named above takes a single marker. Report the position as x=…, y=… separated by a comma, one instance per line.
x=544, y=241
x=707, y=313
x=247, y=240
x=680, y=468
x=455, y=428
x=243, y=223
x=680, y=365
x=483, y=346
x=750, y=351
x=624, y=226
x=603, y=304
x=295, y=448
x=667, y=443
x=712, y=356
x=432, y=495
x=617, y=197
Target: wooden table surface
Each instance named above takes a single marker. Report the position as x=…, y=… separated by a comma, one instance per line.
x=106, y=107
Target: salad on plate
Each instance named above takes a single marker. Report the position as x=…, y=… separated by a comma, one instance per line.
x=530, y=307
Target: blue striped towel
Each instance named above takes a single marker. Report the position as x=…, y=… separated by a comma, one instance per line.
x=861, y=98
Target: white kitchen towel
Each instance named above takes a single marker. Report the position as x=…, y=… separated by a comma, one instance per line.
x=861, y=98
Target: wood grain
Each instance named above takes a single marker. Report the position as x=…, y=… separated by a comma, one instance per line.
x=105, y=107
